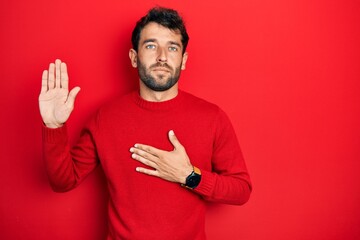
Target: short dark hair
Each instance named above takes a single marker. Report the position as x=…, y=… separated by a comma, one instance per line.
x=166, y=17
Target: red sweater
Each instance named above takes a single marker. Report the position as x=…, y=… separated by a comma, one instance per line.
x=141, y=206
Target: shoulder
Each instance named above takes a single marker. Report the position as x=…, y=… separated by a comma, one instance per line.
x=199, y=104
x=113, y=110
x=200, y=107
x=121, y=102
x=204, y=105
x=205, y=111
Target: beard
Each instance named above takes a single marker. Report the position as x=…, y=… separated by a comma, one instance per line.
x=163, y=83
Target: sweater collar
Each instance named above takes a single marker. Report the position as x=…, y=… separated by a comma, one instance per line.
x=157, y=106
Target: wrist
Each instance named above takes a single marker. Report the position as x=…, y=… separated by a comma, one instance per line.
x=185, y=174
x=193, y=179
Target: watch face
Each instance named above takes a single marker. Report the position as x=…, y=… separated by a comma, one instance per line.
x=193, y=180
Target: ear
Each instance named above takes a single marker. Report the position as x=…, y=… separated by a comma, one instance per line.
x=183, y=64
x=133, y=57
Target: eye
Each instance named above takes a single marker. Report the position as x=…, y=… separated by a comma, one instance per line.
x=150, y=46
x=173, y=49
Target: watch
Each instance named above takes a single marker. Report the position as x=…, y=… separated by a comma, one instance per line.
x=193, y=180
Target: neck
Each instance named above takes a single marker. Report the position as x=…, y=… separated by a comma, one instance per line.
x=154, y=96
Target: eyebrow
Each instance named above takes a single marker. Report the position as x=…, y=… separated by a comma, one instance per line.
x=175, y=43
x=151, y=40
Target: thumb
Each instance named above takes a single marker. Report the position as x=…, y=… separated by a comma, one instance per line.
x=173, y=139
x=72, y=95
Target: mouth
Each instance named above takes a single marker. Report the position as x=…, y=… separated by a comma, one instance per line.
x=160, y=69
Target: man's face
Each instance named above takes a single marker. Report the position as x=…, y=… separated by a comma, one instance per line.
x=159, y=58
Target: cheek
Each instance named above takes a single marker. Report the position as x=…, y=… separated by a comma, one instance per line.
x=147, y=55
x=143, y=61
x=175, y=60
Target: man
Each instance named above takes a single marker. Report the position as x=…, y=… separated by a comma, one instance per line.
x=164, y=152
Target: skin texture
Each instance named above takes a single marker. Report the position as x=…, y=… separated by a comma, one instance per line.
x=160, y=58
x=55, y=101
x=172, y=166
x=161, y=46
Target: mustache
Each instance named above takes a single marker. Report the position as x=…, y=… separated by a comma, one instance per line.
x=164, y=65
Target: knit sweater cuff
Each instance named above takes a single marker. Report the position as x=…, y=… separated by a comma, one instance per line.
x=54, y=135
x=207, y=183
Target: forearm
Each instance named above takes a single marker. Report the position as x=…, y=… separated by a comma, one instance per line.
x=58, y=161
x=64, y=170
x=228, y=180
x=230, y=189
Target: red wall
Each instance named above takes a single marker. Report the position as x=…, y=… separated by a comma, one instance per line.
x=286, y=72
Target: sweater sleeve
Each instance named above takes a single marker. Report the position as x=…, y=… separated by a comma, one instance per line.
x=229, y=181
x=67, y=167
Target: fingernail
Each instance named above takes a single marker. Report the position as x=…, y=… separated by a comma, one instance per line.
x=171, y=132
x=132, y=149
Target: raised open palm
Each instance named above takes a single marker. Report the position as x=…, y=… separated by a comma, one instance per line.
x=55, y=101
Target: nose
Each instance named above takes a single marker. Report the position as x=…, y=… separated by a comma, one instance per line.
x=161, y=55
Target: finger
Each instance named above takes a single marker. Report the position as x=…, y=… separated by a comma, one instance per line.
x=143, y=160
x=72, y=96
x=57, y=73
x=148, y=171
x=51, y=76
x=44, y=82
x=149, y=149
x=64, y=76
x=144, y=154
x=174, y=141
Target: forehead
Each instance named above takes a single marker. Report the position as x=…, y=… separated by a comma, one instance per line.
x=159, y=33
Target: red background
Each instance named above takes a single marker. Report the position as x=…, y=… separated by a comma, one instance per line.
x=286, y=72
